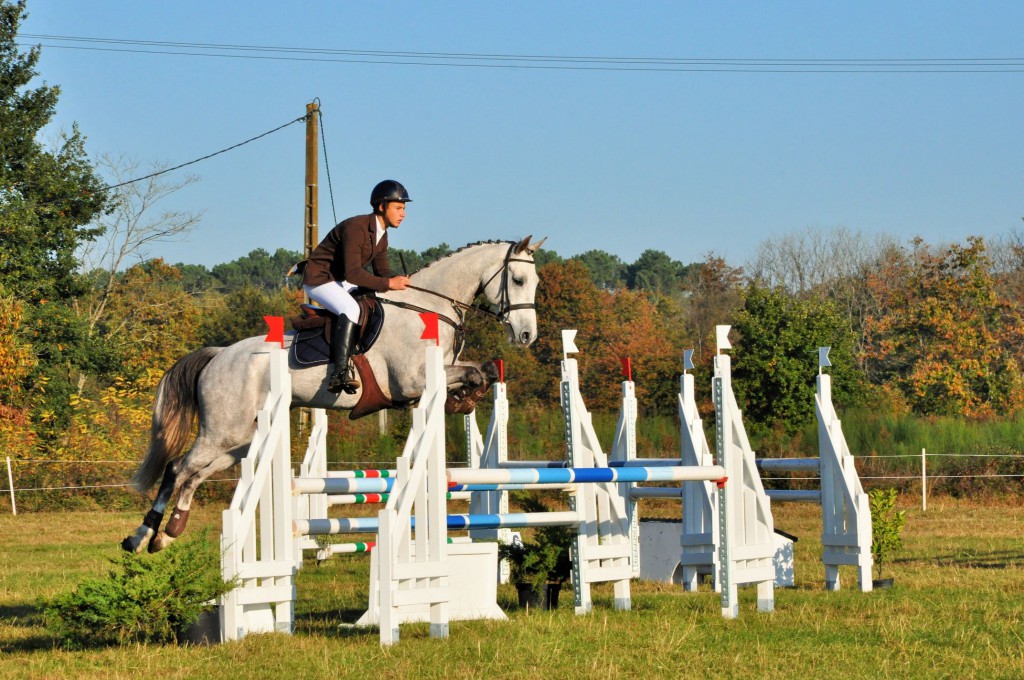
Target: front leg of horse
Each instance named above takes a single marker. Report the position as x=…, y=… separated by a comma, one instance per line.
x=467, y=384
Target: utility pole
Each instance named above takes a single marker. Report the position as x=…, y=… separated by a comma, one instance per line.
x=310, y=237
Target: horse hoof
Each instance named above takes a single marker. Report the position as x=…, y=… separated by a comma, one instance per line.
x=159, y=542
x=490, y=371
x=137, y=541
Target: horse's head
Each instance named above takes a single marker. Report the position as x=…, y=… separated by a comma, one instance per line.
x=512, y=288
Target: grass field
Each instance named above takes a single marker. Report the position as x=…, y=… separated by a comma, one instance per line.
x=956, y=611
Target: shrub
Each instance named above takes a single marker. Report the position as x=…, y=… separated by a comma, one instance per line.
x=149, y=598
x=886, y=524
x=546, y=558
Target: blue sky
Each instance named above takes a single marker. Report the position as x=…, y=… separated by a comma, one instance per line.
x=688, y=162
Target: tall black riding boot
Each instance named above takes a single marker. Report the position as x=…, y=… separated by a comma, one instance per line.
x=341, y=347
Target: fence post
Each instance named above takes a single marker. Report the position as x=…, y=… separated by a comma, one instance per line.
x=924, y=482
x=10, y=483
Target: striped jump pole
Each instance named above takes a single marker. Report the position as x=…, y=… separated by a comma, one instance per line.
x=453, y=487
x=357, y=498
x=365, y=547
x=709, y=473
x=342, y=485
x=347, y=548
x=360, y=474
x=373, y=498
x=370, y=525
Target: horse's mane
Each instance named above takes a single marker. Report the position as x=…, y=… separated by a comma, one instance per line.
x=465, y=247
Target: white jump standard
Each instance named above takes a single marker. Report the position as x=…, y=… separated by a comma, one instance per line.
x=417, y=571
x=845, y=511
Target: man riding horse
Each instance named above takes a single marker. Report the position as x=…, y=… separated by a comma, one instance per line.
x=337, y=267
x=225, y=387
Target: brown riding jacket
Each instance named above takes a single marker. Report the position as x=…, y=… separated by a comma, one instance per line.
x=344, y=253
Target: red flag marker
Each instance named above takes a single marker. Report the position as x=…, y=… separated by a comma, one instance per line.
x=276, y=326
x=627, y=368
x=430, y=327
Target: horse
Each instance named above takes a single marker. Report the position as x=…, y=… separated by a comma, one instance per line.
x=224, y=387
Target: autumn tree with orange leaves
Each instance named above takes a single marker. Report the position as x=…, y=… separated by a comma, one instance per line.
x=941, y=337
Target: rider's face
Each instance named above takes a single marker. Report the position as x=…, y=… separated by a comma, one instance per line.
x=394, y=213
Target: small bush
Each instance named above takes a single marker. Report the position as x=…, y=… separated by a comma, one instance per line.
x=546, y=559
x=144, y=598
x=886, y=524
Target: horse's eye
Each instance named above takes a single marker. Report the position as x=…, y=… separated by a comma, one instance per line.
x=518, y=281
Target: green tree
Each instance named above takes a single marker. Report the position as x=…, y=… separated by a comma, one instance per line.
x=409, y=261
x=546, y=256
x=239, y=314
x=776, y=357
x=48, y=197
x=655, y=271
x=195, y=278
x=259, y=268
x=150, y=319
x=606, y=270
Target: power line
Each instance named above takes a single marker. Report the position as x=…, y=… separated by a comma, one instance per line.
x=37, y=204
x=203, y=158
x=543, y=62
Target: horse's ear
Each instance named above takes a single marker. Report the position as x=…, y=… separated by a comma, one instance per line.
x=522, y=245
x=533, y=248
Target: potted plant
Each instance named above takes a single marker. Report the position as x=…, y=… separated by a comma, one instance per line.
x=886, y=525
x=539, y=566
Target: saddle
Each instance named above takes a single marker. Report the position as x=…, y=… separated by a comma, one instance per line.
x=314, y=325
x=311, y=346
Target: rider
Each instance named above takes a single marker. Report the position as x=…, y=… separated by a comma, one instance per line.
x=337, y=267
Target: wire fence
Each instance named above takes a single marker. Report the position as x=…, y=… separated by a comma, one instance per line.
x=906, y=480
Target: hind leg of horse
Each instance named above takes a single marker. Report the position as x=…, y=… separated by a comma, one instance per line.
x=151, y=523
x=188, y=480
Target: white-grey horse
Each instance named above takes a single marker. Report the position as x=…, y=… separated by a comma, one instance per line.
x=226, y=387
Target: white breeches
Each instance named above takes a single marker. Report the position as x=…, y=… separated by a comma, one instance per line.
x=334, y=296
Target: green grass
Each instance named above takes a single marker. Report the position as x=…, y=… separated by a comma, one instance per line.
x=957, y=611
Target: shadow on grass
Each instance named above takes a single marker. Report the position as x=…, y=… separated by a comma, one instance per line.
x=996, y=559
x=970, y=559
x=30, y=618
x=336, y=623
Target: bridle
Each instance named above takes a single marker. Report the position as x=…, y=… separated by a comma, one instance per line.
x=505, y=306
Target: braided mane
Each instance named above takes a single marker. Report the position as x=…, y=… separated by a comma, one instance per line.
x=466, y=247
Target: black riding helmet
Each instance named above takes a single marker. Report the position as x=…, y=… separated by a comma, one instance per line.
x=388, y=191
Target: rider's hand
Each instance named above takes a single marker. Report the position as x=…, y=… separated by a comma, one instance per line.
x=398, y=282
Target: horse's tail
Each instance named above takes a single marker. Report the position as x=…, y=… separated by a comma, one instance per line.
x=174, y=412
